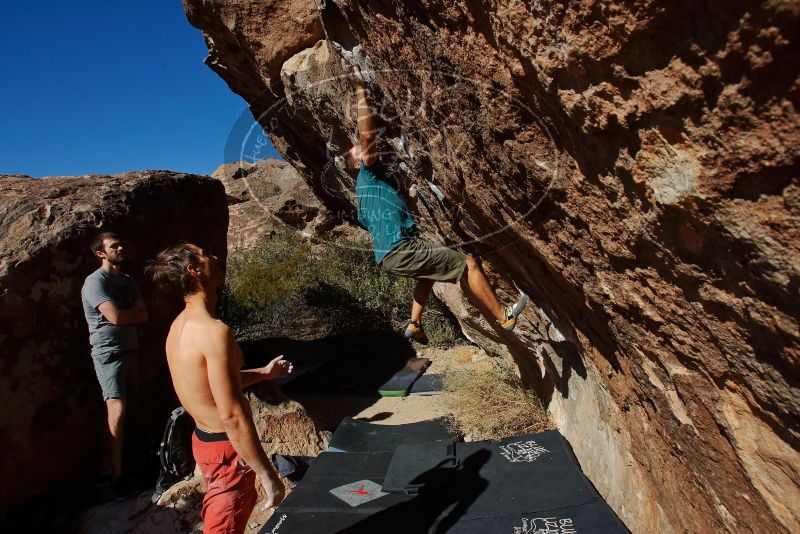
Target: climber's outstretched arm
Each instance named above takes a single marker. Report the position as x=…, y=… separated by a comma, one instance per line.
x=367, y=132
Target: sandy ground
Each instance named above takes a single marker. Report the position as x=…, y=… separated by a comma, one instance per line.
x=400, y=410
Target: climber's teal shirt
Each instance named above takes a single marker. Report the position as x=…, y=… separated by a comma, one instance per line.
x=382, y=210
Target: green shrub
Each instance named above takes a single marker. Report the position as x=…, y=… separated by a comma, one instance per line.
x=284, y=287
x=276, y=270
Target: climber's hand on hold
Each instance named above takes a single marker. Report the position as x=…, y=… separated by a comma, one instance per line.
x=348, y=62
x=352, y=71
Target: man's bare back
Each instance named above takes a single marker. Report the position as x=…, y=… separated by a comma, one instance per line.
x=190, y=333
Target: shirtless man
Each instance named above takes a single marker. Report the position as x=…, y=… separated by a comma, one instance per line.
x=204, y=362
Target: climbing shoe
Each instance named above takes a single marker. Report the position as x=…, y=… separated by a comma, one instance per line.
x=513, y=312
x=414, y=332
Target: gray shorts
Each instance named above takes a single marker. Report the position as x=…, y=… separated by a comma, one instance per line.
x=418, y=259
x=116, y=372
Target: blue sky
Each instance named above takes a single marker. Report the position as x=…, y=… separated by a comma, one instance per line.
x=103, y=87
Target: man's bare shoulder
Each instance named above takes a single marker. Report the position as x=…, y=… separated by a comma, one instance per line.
x=218, y=330
x=208, y=328
x=200, y=327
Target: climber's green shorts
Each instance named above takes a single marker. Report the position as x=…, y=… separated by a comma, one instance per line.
x=417, y=259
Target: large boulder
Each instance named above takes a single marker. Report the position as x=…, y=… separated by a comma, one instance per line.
x=631, y=165
x=53, y=415
x=270, y=196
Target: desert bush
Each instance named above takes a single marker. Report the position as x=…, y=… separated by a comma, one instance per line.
x=329, y=289
x=265, y=285
x=276, y=270
x=492, y=404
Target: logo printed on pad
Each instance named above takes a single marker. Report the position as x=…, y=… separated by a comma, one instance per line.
x=546, y=525
x=522, y=451
x=278, y=524
x=358, y=493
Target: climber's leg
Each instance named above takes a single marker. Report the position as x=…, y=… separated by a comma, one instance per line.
x=423, y=261
x=475, y=283
x=427, y=264
x=421, y=293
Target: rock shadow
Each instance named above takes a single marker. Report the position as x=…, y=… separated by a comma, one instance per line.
x=570, y=361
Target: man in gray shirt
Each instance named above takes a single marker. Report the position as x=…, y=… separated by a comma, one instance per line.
x=113, y=305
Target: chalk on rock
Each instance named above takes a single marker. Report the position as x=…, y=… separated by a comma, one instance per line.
x=436, y=191
x=357, y=61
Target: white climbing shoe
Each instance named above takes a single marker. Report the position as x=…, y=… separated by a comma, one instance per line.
x=513, y=312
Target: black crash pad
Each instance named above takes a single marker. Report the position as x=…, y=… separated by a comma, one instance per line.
x=291, y=467
x=320, y=492
x=315, y=497
x=524, y=474
x=526, y=484
x=394, y=522
x=353, y=435
x=592, y=518
x=413, y=459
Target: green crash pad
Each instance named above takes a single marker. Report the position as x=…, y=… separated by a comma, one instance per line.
x=400, y=383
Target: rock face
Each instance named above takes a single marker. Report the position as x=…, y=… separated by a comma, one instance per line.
x=631, y=165
x=270, y=196
x=52, y=416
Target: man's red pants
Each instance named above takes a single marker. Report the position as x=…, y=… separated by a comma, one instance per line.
x=230, y=484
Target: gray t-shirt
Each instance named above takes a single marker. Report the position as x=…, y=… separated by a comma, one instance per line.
x=100, y=287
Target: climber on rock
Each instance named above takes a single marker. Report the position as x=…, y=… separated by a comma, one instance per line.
x=384, y=213
x=205, y=364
